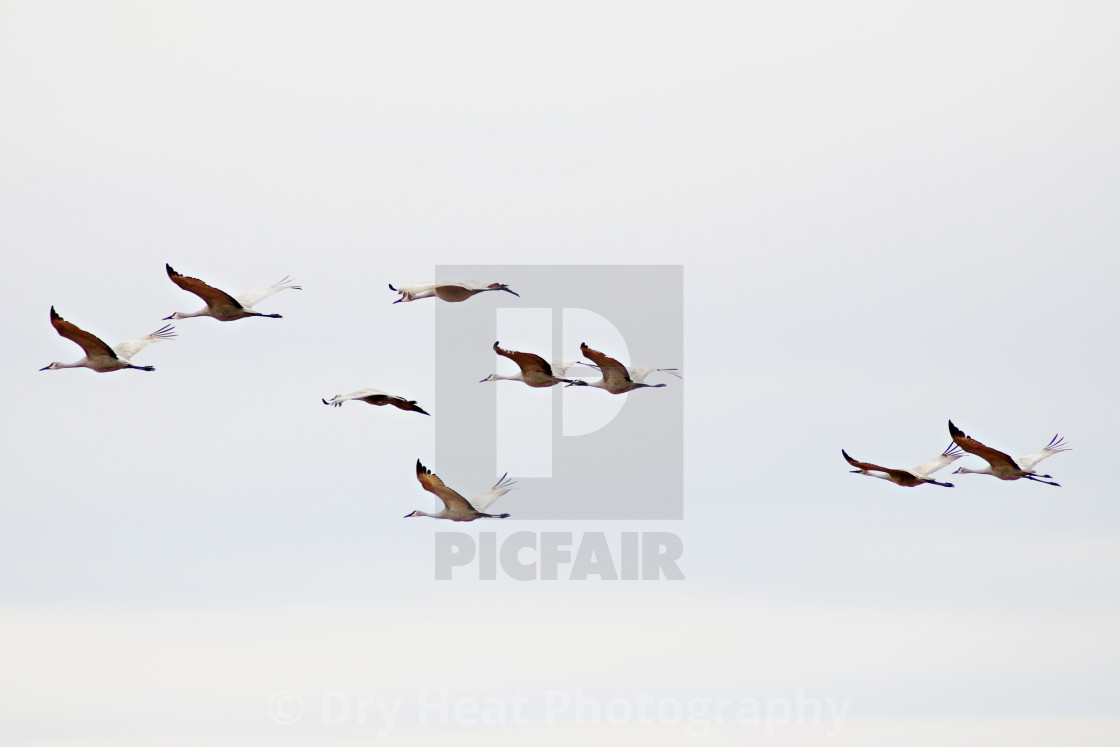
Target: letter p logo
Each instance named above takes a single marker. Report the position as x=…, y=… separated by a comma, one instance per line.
x=578, y=452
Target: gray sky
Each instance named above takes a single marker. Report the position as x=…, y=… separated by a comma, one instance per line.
x=888, y=215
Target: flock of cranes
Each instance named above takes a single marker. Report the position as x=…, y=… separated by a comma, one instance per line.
x=537, y=372
x=102, y=358
x=534, y=370
x=1000, y=465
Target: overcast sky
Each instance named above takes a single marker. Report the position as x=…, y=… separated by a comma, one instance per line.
x=888, y=215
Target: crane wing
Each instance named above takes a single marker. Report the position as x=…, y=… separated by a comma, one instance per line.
x=527, y=362
x=992, y=456
x=249, y=299
x=413, y=291
x=92, y=344
x=338, y=399
x=951, y=454
x=1057, y=444
x=465, y=284
x=560, y=366
x=452, y=501
x=639, y=374
x=610, y=367
x=482, y=501
x=408, y=405
x=867, y=466
x=129, y=348
x=213, y=297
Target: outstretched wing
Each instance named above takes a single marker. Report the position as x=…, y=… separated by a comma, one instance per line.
x=338, y=399
x=408, y=405
x=249, y=299
x=1057, y=444
x=208, y=293
x=992, y=456
x=452, y=501
x=412, y=290
x=639, y=375
x=129, y=348
x=426, y=285
x=867, y=466
x=610, y=367
x=475, y=285
x=482, y=501
x=951, y=454
x=527, y=362
x=560, y=366
x=92, y=344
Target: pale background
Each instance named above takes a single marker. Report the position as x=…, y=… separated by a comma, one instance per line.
x=889, y=214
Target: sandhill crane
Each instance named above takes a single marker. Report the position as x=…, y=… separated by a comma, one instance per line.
x=99, y=356
x=617, y=378
x=455, y=506
x=1002, y=465
x=535, y=370
x=447, y=291
x=376, y=397
x=908, y=478
x=221, y=305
